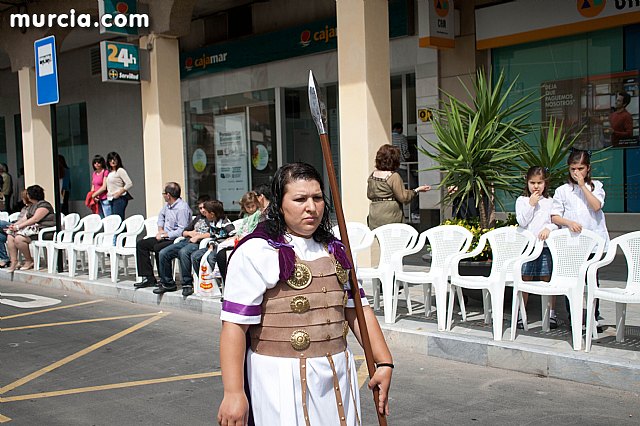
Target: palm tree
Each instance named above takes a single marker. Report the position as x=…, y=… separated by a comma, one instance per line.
x=479, y=145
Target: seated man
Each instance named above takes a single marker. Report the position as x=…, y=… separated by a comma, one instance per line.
x=198, y=229
x=173, y=218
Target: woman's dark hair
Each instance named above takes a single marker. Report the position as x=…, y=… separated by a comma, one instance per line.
x=263, y=189
x=274, y=222
x=35, y=193
x=62, y=166
x=388, y=158
x=537, y=171
x=578, y=156
x=100, y=160
x=215, y=207
x=114, y=155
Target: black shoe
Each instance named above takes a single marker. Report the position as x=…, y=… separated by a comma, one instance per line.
x=520, y=325
x=163, y=288
x=146, y=282
x=187, y=290
x=553, y=323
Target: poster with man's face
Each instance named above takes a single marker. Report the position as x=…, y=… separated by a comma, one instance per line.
x=604, y=109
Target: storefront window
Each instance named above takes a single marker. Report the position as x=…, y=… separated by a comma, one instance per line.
x=231, y=146
x=301, y=134
x=73, y=145
x=578, y=80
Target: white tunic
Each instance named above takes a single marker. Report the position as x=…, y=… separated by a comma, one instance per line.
x=535, y=218
x=570, y=202
x=275, y=381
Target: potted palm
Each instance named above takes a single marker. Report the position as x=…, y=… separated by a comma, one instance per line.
x=478, y=144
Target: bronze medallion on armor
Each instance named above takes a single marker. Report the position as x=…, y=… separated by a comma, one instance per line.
x=341, y=273
x=300, y=340
x=345, y=329
x=300, y=304
x=300, y=278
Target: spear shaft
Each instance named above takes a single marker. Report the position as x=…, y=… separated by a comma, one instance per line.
x=318, y=111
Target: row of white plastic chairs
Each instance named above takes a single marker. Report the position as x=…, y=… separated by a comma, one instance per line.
x=96, y=238
x=576, y=261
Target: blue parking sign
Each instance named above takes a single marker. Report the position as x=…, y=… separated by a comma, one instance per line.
x=46, y=71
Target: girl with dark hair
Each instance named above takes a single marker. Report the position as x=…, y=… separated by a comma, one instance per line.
x=118, y=185
x=99, y=185
x=288, y=288
x=39, y=215
x=533, y=212
x=386, y=190
x=577, y=204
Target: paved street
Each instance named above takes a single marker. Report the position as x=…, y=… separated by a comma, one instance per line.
x=89, y=361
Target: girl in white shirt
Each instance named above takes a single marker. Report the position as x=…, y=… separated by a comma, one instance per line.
x=578, y=203
x=533, y=212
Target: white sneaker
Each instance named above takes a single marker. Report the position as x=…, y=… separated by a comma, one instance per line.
x=415, y=217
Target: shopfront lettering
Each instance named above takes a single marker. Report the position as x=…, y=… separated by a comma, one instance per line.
x=327, y=34
x=208, y=60
x=621, y=4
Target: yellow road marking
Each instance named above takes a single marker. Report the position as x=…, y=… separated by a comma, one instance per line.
x=54, y=324
x=363, y=371
x=51, y=309
x=78, y=354
x=4, y=419
x=108, y=387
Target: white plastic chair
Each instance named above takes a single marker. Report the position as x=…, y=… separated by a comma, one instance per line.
x=507, y=244
x=630, y=246
x=151, y=226
x=14, y=216
x=65, y=239
x=82, y=240
x=109, y=225
x=126, y=244
x=570, y=253
x=445, y=241
x=360, y=238
x=392, y=238
x=104, y=245
x=4, y=216
x=41, y=245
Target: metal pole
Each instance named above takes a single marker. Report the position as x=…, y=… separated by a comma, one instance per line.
x=56, y=175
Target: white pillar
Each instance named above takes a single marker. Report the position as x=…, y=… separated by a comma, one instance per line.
x=36, y=136
x=365, y=96
x=161, y=120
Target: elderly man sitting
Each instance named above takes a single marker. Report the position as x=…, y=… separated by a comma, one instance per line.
x=172, y=220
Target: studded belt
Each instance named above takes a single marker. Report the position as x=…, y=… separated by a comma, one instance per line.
x=375, y=200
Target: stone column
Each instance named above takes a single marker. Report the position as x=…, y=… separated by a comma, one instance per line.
x=36, y=136
x=161, y=120
x=365, y=97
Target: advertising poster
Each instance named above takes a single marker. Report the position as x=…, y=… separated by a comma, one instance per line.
x=605, y=107
x=231, y=159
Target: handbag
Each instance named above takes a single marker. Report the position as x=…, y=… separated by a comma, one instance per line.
x=128, y=196
x=28, y=231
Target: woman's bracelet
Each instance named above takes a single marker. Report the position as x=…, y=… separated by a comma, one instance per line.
x=384, y=364
x=416, y=190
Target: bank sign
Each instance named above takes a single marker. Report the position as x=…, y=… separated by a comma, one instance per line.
x=307, y=39
x=119, y=62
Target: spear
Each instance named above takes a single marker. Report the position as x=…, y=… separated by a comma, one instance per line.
x=319, y=113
